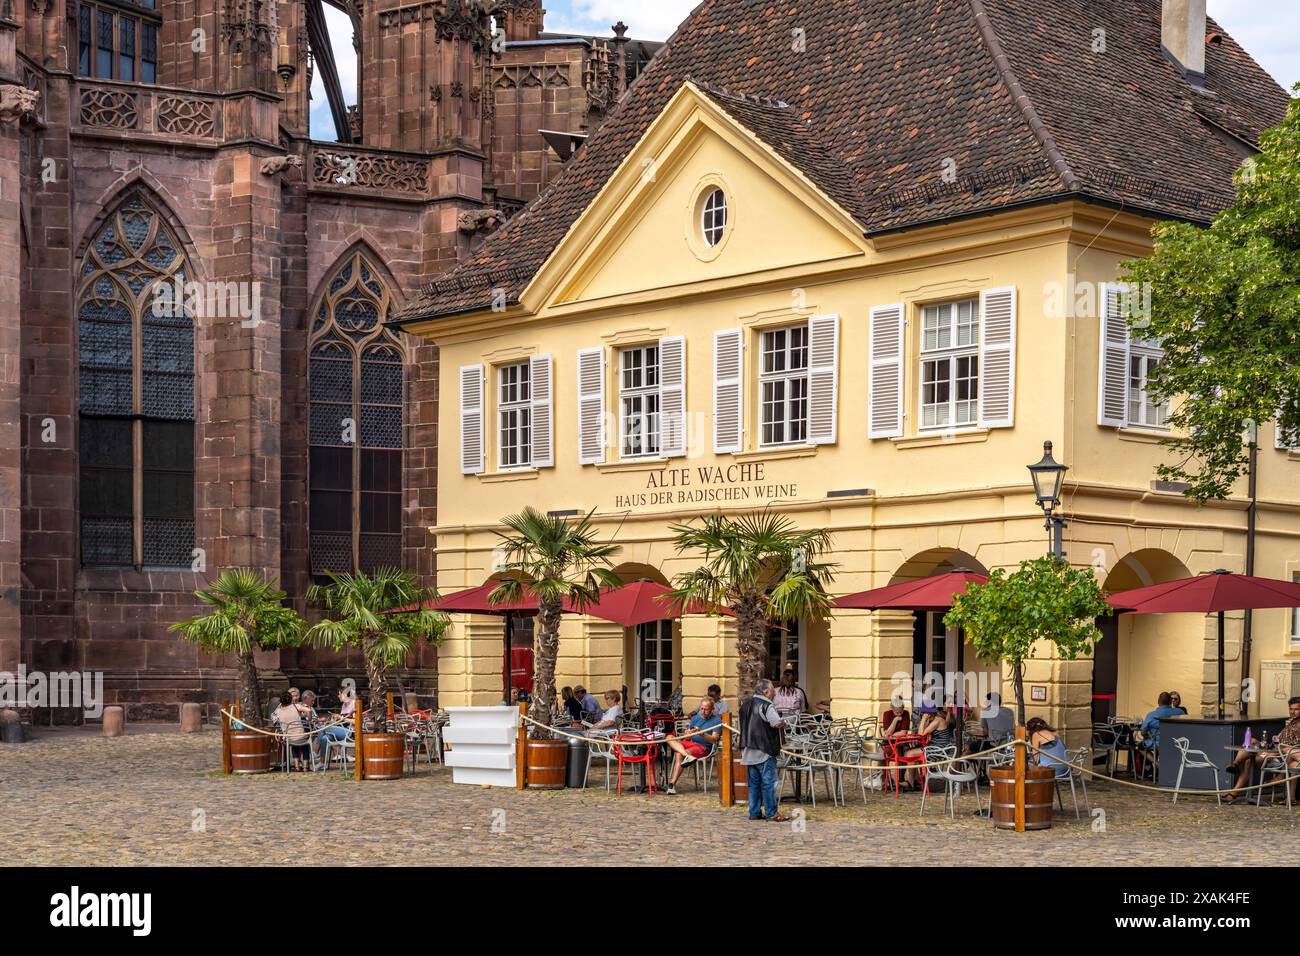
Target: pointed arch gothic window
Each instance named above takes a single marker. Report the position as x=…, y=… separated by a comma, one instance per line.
x=136, y=421
x=355, y=382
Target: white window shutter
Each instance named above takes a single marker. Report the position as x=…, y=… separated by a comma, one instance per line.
x=823, y=377
x=1112, y=364
x=543, y=411
x=728, y=391
x=672, y=397
x=885, y=375
x=471, y=420
x=1282, y=440
x=998, y=358
x=591, y=406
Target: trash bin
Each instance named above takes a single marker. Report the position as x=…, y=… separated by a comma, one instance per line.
x=576, y=775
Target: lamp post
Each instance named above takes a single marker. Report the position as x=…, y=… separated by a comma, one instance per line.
x=1048, y=476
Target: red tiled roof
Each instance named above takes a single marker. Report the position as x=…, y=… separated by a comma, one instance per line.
x=888, y=91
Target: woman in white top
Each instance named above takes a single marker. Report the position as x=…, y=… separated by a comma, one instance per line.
x=609, y=719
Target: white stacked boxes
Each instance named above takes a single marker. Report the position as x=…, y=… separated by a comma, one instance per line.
x=482, y=741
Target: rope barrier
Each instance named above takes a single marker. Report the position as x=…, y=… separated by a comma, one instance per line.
x=879, y=766
x=243, y=725
x=1160, y=790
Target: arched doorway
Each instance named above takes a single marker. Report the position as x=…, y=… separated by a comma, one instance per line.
x=1140, y=655
x=937, y=648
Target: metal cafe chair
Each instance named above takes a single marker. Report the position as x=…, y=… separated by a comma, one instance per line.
x=1079, y=759
x=1189, y=759
x=1105, y=744
x=599, y=748
x=954, y=776
x=1279, y=766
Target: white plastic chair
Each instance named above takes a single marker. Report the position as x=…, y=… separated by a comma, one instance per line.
x=1189, y=759
x=599, y=748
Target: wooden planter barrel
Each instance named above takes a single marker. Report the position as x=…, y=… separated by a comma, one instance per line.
x=739, y=781
x=250, y=752
x=546, y=761
x=385, y=756
x=1040, y=787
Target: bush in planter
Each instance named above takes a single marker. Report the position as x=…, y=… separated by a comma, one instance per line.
x=247, y=613
x=557, y=560
x=1044, y=600
x=383, y=613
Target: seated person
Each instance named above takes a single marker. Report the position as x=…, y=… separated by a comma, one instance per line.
x=572, y=706
x=609, y=719
x=940, y=727
x=1176, y=702
x=790, y=697
x=590, y=706
x=896, y=720
x=997, y=725
x=307, y=706
x=347, y=709
x=289, y=719
x=1151, y=723
x=1244, y=762
x=1044, y=738
x=697, y=746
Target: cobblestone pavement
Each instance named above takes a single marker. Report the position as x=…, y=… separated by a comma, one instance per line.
x=73, y=798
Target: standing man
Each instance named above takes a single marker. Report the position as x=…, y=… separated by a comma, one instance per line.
x=759, y=745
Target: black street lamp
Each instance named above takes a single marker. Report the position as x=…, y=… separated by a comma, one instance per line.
x=1048, y=476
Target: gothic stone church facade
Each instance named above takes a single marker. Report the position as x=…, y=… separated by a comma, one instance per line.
x=269, y=421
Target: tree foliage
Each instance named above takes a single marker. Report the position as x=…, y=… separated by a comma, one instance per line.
x=763, y=568
x=1225, y=305
x=1044, y=600
x=384, y=613
x=559, y=561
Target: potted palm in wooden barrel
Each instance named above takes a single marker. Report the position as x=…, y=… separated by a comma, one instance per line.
x=383, y=613
x=247, y=614
x=1045, y=601
x=557, y=561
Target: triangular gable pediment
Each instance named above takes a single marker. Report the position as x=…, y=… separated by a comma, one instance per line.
x=641, y=233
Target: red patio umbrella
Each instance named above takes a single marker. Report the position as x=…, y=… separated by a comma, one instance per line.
x=935, y=593
x=639, y=603
x=1216, y=592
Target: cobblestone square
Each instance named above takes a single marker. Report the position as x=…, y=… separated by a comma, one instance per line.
x=156, y=796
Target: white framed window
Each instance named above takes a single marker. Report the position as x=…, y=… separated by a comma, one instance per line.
x=713, y=217
x=639, y=402
x=783, y=386
x=655, y=660
x=950, y=365
x=1295, y=616
x=1143, y=410
x=515, y=415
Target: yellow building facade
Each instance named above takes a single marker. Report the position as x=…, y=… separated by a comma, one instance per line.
x=715, y=333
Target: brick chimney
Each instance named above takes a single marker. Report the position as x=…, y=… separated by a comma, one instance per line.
x=1182, y=37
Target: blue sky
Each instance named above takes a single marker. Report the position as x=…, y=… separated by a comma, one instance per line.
x=1267, y=28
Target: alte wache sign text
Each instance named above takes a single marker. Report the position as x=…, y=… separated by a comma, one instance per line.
x=705, y=485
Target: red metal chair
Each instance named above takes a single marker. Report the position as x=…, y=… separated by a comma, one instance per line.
x=896, y=747
x=625, y=751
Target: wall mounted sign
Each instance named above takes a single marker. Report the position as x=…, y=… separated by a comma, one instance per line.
x=1038, y=692
x=707, y=485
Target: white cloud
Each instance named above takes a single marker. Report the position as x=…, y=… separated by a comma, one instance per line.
x=655, y=20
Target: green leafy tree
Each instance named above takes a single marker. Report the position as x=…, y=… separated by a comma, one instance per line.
x=1045, y=600
x=761, y=567
x=1225, y=305
x=560, y=561
x=384, y=614
x=247, y=614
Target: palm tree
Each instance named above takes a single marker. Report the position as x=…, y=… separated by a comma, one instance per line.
x=247, y=614
x=383, y=613
x=558, y=560
x=763, y=568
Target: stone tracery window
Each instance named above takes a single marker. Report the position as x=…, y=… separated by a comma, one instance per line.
x=355, y=386
x=136, y=422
